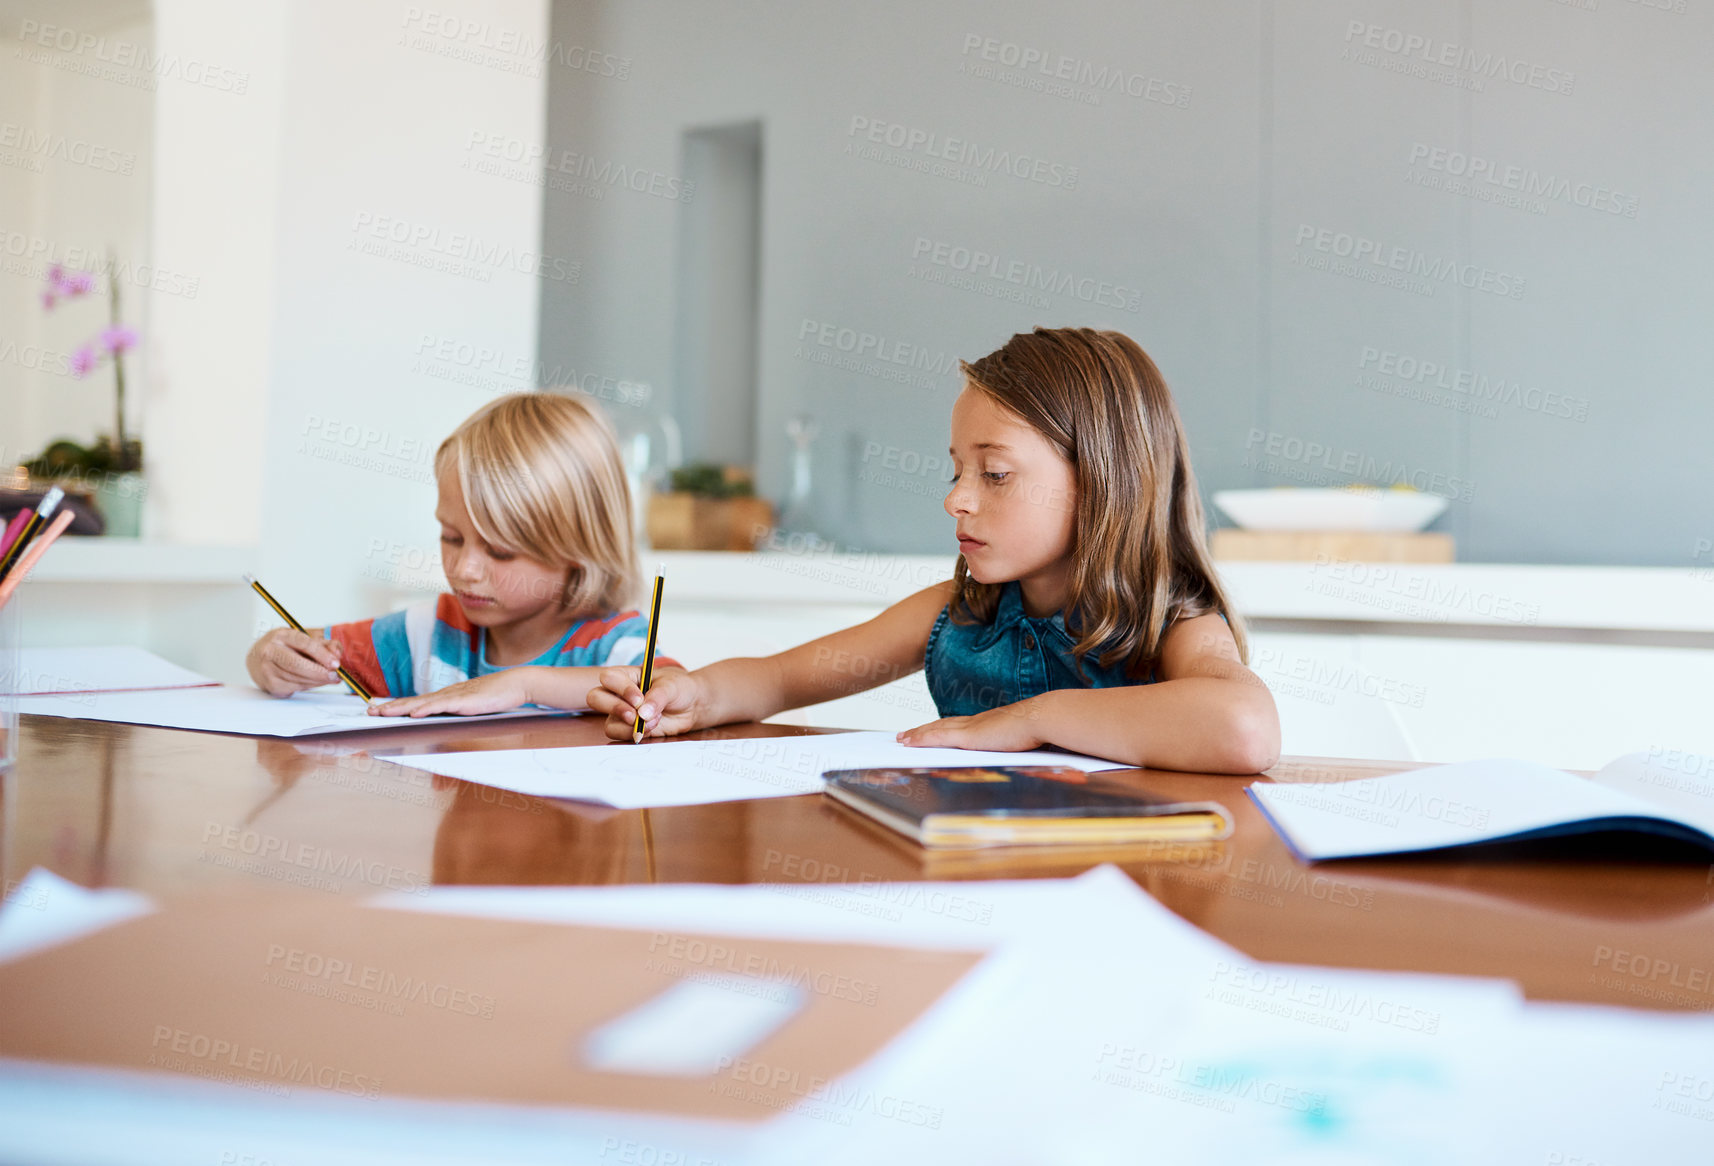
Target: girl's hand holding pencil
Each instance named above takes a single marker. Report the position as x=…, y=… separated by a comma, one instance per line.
x=674, y=702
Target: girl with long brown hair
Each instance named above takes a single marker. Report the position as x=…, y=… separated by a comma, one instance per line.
x=1083, y=610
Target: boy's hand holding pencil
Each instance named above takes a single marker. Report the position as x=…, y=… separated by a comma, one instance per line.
x=286, y=661
x=277, y=662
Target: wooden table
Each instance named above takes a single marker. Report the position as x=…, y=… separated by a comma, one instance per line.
x=169, y=812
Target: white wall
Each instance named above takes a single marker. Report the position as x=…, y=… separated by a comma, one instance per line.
x=21, y=103
x=219, y=167
x=331, y=261
x=379, y=112
x=75, y=178
x=293, y=402
x=303, y=364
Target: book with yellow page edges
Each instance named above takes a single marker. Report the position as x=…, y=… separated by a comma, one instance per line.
x=1020, y=805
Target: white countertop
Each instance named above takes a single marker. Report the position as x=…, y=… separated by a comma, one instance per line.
x=1488, y=594
x=131, y=560
x=1500, y=595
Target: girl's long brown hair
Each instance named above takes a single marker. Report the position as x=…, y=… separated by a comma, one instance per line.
x=1139, y=549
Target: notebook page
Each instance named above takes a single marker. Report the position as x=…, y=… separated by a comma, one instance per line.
x=1677, y=782
x=1445, y=805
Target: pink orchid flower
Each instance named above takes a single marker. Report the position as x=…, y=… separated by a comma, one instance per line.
x=63, y=284
x=82, y=361
x=118, y=338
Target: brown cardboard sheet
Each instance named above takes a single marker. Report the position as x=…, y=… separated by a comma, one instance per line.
x=287, y=996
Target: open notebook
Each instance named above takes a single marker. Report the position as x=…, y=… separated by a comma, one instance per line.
x=1660, y=792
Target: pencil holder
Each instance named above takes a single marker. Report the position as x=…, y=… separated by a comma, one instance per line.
x=10, y=622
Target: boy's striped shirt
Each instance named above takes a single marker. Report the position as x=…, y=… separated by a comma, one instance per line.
x=430, y=645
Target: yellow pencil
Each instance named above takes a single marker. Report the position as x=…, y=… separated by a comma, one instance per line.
x=649, y=649
x=287, y=616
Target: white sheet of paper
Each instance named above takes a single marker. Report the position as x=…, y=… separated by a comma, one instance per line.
x=1296, y=1069
x=1444, y=805
x=1648, y=1097
x=228, y=709
x=44, y=909
x=692, y=773
x=958, y=916
x=80, y=671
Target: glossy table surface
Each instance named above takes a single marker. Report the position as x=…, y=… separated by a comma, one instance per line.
x=1611, y=920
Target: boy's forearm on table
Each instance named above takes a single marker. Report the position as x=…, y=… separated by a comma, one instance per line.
x=562, y=688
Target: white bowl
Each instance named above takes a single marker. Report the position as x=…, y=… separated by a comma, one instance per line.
x=1362, y=508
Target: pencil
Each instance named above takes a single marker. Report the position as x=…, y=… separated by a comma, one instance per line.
x=287, y=616
x=44, y=511
x=649, y=649
x=13, y=527
x=37, y=549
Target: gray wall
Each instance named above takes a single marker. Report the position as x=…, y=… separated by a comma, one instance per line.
x=1271, y=214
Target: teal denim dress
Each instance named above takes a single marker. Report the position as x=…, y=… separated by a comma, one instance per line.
x=972, y=668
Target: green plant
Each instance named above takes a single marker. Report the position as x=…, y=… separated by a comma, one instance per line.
x=707, y=480
x=67, y=459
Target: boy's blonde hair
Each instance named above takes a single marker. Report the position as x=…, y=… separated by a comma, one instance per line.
x=1140, y=557
x=542, y=476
